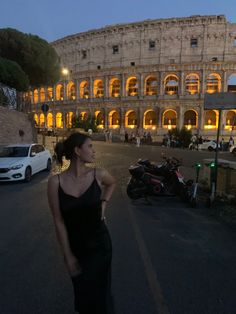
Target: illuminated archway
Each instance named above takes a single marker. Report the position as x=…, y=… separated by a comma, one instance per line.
x=150, y=86
x=114, y=119
x=36, y=120
x=98, y=89
x=150, y=120
x=49, y=120
x=192, y=84
x=59, y=92
x=213, y=83
x=190, y=119
x=231, y=120
x=42, y=94
x=83, y=115
x=59, y=120
x=131, y=119
x=114, y=87
x=36, y=96
x=171, y=84
x=42, y=120
x=69, y=119
x=99, y=119
x=84, y=90
x=169, y=119
x=50, y=93
x=71, y=90
x=211, y=119
x=132, y=86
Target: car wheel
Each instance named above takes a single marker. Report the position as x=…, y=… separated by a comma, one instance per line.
x=28, y=174
x=49, y=165
x=210, y=149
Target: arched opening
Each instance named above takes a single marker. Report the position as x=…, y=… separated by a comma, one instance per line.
x=232, y=83
x=69, y=119
x=84, y=90
x=83, y=115
x=230, y=120
x=190, y=119
x=36, y=120
x=192, y=84
x=211, y=119
x=100, y=119
x=50, y=120
x=42, y=94
x=50, y=93
x=150, y=120
x=213, y=83
x=36, y=96
x=59, y=92
x=71, y=91
x=114, y=88
x=151, y=86
x=171, y=84
x=132, y=86
x=114, y=119
x=169, y=119
x=98, y=89
x=131, y=120
x=42, y=120
x=59, y=120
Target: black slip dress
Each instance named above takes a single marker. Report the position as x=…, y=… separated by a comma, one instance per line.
x=91, y=244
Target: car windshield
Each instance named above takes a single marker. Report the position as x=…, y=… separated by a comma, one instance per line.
x=14, y=151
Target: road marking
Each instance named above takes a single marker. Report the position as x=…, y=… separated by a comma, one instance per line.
x=155, y=287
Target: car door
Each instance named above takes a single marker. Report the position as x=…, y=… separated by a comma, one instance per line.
x=34, y=159
x=41, y=157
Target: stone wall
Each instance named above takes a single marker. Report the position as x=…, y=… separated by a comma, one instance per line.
x=12, y=123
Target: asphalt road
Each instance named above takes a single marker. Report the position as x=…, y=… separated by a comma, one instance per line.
x=167, y=258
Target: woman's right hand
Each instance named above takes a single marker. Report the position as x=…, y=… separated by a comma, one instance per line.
x=73, y=266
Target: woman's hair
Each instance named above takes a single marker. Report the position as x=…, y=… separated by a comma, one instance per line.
x=67, y=147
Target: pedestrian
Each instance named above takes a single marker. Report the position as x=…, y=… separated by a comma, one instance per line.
x=106, y=132
x=138, y=140
x=90, y=132
x=126, y=137
x=110, y=136
x=78, y=197
x=231, y=142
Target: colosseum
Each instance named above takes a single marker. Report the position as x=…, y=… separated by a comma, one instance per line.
x=147, y=76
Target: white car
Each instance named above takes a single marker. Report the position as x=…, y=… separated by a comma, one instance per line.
x=21, y=161
x=233, y=149
x=208, y=145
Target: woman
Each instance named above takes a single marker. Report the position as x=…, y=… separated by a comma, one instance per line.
x=77, y=198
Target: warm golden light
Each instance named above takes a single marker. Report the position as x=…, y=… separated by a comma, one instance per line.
x=65, y=71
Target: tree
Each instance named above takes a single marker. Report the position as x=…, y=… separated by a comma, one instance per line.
x=36, y=57
x=86, y=124
x=184, y=135
x=12, y=75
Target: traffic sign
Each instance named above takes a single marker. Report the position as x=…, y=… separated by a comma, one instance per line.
x=44, y=108
x=221, y=101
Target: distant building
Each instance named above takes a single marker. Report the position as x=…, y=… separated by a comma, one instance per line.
x=151, y=75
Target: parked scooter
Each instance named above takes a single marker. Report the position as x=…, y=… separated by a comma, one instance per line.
x=166, y=175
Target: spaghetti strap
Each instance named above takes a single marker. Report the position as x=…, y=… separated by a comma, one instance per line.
x=94, y=173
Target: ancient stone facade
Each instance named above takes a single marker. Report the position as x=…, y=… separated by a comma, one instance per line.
x=146, y=76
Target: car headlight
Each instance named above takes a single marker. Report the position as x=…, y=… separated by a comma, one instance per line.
x=17, y=167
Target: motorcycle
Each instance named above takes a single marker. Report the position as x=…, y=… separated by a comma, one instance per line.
x=160, y=180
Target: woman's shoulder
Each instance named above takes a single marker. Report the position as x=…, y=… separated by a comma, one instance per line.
x=54, y=179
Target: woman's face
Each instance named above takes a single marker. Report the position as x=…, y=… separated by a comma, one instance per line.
x=86, y=152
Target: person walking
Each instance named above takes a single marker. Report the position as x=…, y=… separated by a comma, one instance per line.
x=78, y=197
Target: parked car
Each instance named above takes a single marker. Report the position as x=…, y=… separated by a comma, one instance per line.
x=233, y=149
x=21, y=161
x=206, y=145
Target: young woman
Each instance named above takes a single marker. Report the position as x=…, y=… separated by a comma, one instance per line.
x=78, y=198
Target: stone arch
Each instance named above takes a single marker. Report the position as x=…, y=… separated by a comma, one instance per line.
x=213, y=83
x=150, y=88
x=132, y=86
x=211, y=119
x=190, y=119
x=50, y=120
x=230, y=122
x=84, y=89
x=114, y=119
x=171, y=84
x=114, y=87
x=150, y=119
x=69, y=119
x=59, y=120
x=59, y=92
x=100, y=120
x=42, y=120
x=169, y=119
x=98, y=88
x=49, y=93
x=36, y=120
x=36, y=96
x=71, y=94
x=192, y=84
x=42, y=94
x=131, y=119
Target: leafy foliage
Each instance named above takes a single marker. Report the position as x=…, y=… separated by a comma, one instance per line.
x=89, y=123
x=36, y=57
x=184, y=135
x=12, y=75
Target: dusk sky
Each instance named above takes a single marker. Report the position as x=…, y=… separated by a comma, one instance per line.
x=54, y=19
